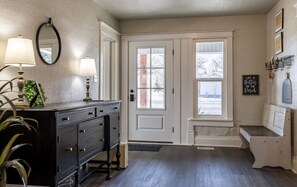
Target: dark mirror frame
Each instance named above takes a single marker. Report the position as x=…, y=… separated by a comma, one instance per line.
x=49, y=23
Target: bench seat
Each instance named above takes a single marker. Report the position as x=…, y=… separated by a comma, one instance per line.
x=258, y=131
x=270, y=142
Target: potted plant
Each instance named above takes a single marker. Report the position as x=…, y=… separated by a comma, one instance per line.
x=9, y=119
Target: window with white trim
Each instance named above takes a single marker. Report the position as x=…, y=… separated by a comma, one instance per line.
x=212, y=85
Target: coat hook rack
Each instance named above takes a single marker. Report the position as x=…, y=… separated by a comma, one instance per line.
x=281, y=63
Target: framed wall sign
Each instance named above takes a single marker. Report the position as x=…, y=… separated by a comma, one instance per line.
x=278, y=43
x=279, y=20
x=250, y=84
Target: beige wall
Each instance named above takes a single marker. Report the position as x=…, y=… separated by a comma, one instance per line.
x=249, y=55
x=77, y=23
x=290, y=48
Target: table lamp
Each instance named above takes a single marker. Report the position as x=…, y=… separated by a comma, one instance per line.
x=87, y=68
x=19, y=52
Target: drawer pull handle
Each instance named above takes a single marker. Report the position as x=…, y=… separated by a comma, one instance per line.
x=101, y=111
x=69, y=149
x=114, y=128
x=83, y=150
x=115, y=108
x=102, y=140
x=91, y=113
x=101, y=124
x=66, y=119
x=82, y=131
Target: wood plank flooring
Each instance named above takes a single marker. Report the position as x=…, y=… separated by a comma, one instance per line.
x=185, y=166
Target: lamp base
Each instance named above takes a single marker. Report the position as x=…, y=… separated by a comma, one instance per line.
x=21, y=104
x=87, y=99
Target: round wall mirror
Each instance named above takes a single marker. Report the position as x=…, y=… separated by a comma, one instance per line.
x=48, y=42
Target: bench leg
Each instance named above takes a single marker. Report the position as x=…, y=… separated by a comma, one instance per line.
x=244, y=143
x=270, y=152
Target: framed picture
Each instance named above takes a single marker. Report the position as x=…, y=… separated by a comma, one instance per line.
x=250, y=84
x=279, y=21
x=34, y=93
x=278, y=43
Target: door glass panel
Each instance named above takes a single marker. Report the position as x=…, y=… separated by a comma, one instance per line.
x=143, y=57
x=209, y=59
x=158, y=98
x=158, y=58
x=143, y=78
x=209, y=97
x=150, y=78
x=143, y=98
x=157, y=78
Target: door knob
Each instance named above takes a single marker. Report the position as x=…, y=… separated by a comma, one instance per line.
x=132, y=97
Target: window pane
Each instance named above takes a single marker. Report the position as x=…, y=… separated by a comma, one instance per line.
x=158, y=57
x=209, y=59
x=210, y=98
x=158, y=78
x=143, y=57
x=143, y=98
x=143, y=78
x=158, y=99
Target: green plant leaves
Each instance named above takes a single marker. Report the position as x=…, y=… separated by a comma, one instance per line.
x=6, y=149
x=6, y=87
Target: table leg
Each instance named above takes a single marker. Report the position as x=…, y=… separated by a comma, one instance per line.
x=108, y=164
x=118, y=155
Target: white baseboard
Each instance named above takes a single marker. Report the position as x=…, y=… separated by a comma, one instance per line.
x=294, y=164
x=218, y=141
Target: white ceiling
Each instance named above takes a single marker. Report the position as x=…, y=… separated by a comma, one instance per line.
x=152, y=9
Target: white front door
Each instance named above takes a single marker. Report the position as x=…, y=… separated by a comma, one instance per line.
x=151, y=91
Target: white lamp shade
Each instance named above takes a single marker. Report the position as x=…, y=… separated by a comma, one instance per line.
x=87, y=67
x=19, y=51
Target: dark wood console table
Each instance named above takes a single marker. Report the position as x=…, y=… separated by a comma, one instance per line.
x=68, y=136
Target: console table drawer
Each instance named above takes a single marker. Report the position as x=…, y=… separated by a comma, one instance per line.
x=114, y=108
x=75, y=116
x=87, y=128
x=101, y=111
x=90, y=146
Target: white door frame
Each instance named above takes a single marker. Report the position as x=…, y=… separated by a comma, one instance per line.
x=139, y=118
x=183, y=78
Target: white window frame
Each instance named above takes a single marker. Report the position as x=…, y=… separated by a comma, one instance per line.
x=226, y=119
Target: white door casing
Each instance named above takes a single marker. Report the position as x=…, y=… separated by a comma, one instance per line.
x=151, y=103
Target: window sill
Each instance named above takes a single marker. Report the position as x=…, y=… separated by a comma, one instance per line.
x=211, y=122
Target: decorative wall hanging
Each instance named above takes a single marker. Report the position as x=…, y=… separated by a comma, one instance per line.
x=278, y=43
x=279, y=20
x=250, y=85
x=281, y=63
x=287, y=90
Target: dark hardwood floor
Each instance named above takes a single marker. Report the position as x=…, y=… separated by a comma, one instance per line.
x=185, y=166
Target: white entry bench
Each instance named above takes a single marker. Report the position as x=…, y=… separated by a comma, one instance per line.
x=270, y=142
